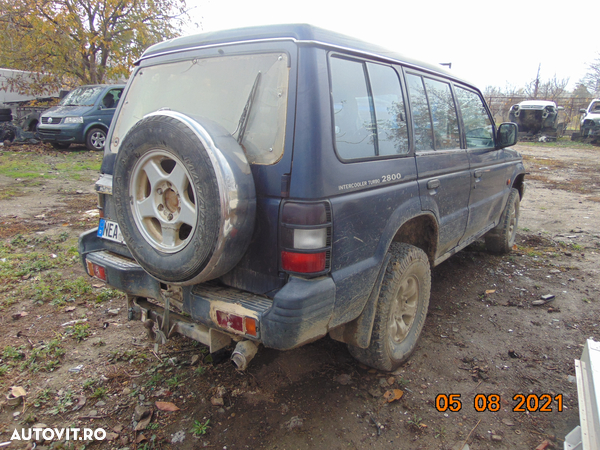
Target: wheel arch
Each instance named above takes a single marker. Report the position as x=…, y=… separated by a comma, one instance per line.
x=519, y=185
x=94, y=125
x=422, y=232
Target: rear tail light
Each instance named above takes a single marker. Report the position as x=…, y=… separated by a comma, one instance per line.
x=240, y=324
x=305, y=238
x=94, y=270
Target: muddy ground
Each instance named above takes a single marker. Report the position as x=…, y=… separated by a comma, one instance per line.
x=483, y=335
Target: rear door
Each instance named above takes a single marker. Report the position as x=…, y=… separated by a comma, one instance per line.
x=489, y=167
x=443, y=167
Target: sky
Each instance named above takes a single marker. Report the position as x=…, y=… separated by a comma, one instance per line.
x=488, y=43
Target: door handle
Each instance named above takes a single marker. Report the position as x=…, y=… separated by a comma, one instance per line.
x=433, y=184
x=478, y=173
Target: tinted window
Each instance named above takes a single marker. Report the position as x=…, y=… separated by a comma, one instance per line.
x=477, y=125
x=443, y=113
x=420, y=113
x=353, y=114
x=392, y=134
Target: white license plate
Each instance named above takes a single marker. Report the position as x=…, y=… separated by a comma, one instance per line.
x=107, y=229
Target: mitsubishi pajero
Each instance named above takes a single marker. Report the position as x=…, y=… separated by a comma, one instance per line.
x=277, y=184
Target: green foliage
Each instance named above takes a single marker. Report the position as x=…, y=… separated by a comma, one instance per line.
x=79, y=331
x=76, y=42
x=200, y=428
x=99, y=393
x=65, y=400
x=42, y=397
x=107, y=294
x=44, y=358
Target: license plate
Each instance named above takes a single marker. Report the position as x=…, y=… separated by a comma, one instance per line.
x=107, y=229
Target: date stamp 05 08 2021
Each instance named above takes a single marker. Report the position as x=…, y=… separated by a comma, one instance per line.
x=493, y=402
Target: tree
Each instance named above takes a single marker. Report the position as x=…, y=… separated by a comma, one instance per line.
x=66, y=43
x=551, y=89
x=591, y=80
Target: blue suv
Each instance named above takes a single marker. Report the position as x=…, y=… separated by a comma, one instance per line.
x=277, y=184
x=82, y=117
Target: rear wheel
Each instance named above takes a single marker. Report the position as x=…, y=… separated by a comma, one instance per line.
x=95, y=139
x=502, y=238
x=401, y=309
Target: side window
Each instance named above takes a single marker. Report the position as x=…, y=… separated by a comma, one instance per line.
x=478, y=127
x=352, y=109
x=420, y=113
x=111, y=98
x=392, y=133
x=443, y=113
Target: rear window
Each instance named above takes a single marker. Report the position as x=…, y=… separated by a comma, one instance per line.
x=218, y=89
x=368, y=110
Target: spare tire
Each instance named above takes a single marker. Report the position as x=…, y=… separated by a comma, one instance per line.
x=5, y=111
x=5, y=117
x=184, y=197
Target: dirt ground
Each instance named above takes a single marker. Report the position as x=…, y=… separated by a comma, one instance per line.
x=484, y=339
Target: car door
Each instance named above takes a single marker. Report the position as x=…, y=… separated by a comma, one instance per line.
x=107, y=105
x=442, y=165
x=490, y=168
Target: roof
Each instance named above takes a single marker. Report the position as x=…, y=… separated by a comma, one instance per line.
x=299, y=33
x=531, y=104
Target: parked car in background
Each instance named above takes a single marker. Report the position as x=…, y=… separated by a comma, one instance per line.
x=590, y=119
x=276, y=184
x=537, y=117
x=82, y=117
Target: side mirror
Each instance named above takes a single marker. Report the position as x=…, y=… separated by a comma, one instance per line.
x=507, y=135
x=560, y=108
x=582, y=111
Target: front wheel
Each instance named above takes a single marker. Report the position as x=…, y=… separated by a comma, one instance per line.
x=401, y=309
x=502, y=238
x=95, y=139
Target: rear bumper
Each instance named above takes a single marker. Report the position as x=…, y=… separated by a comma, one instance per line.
x=299, y=312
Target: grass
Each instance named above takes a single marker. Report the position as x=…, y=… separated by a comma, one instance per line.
x=64, y=402
x=79, y=331
x=42, y=358
x=174, y=381
x=33, y=267
x=30, y=166
x=99, y=393
x=564, y=141
x=8, y=193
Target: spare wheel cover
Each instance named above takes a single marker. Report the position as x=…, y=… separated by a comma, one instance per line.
x=184, y=197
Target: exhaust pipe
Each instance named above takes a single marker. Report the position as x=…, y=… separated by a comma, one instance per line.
x=243, y=354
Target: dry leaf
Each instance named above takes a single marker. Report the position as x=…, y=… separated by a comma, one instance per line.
x=490, y=291
x=393, y=394
x=69, y=309
x=166, y=406
x=143, y=423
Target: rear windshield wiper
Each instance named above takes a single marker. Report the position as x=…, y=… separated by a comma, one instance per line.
x=246, y=112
